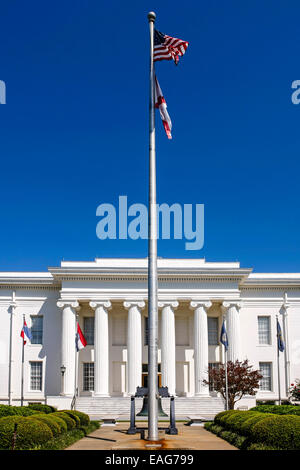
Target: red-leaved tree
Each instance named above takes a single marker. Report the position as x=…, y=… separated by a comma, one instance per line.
x=242, y=380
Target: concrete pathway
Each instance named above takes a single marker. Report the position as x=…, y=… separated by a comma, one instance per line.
x=115, y=438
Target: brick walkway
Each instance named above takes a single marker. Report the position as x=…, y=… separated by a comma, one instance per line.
x=115, y=438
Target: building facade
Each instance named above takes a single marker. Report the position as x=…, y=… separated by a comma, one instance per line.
x=108, y=297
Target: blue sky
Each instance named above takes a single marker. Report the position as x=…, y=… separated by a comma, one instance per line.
x=74, y=131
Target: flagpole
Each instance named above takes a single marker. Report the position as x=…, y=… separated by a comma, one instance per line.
x=22, y=373
x=76, y=366
x=278, y=366
x=152, y=257
x=226, y=374
x=12, y=311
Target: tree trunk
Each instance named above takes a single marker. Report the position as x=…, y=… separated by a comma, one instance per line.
x=231, y=403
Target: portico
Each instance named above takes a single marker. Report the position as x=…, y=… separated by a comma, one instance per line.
x=116, y=304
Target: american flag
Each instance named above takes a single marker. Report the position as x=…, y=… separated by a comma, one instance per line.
x=168, y=48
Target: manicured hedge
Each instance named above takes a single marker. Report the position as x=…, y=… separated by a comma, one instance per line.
x=52, y=424
x=42, y=408
x=70, y=422
x=247, y=425
x=30, y=432
x=54, y=430
x=221, y=418
x=234, y=421
x=68, y=438
x=281, y=431
x=254, y=430
x=6, y=410
x=80, y=418
x=278, y=409
x=59, y=421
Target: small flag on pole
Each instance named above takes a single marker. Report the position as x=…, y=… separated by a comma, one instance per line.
x=280, y=341
x=224, y=337
x=80, y=340
x=168, y=48
x=161, y=104
x=25, y=331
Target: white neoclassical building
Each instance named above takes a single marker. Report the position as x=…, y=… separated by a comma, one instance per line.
x=108, y=297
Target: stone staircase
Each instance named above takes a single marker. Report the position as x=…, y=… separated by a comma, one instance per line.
x=120, y=406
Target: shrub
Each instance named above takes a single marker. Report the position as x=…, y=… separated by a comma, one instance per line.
x=6, y=410
x=84, y=418
x=216, y=429
x=65, y=440
x=31, y=432
x=228, y=436
x=70, y=422
x=278, y=431
x=60, y=422
x=278, y=409
x=73, y=416
x=25, y=411
x=235, y=421
x=220, y=418
x=55, y=428
x=43, y=408
x=240, y=441
x=261, y=446
x=247, y=425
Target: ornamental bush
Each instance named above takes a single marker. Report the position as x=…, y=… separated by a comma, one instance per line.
x=6, y=410
x=83, y=418
x=220, y=418
x=73, y=416
x=255, y=417
x=55, y=428
x=31, y=433
x=60, y=422
x=235, y=421
x=43, y=408
x=70, y=422
x=278, y=409
x=278, y=431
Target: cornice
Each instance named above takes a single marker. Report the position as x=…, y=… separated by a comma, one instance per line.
x=124, y=273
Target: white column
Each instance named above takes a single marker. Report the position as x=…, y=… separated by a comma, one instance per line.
x=168, y=347
x=134, y=345
x=233, y=330
x=101, y=348
x=68, y=345
x=200, y=346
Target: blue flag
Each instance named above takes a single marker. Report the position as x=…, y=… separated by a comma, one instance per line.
x=280, y=341
x=224, y=337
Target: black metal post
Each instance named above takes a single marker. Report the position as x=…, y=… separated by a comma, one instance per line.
x=132, y=429
x=172, y=428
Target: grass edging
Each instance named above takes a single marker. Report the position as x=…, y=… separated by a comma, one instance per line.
x=68, y=438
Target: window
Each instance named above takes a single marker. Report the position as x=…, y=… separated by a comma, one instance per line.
x=213, y=325
x=36, y=371
x=146, y=331
x=212, y=365
x=36, y=329
x=88, y=327
x=88, y=376
x=264, y=330
x=266, y=371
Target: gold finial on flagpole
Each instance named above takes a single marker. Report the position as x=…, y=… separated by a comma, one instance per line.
x=151, y=16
